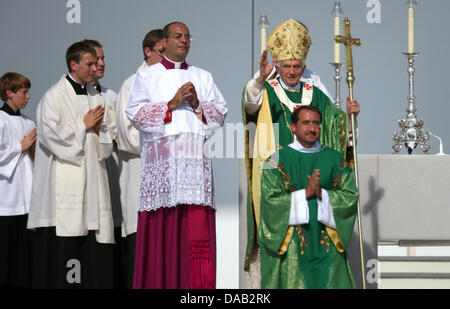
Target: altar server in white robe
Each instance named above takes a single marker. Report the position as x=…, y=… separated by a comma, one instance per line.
x=107, y=93
x=73, y=242
x=175, y=106
x=112, y=163
x=17, y=141
x=129, y=154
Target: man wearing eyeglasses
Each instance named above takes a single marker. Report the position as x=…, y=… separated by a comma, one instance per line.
x=129, y=155
x=308, y=211
x=174, y=106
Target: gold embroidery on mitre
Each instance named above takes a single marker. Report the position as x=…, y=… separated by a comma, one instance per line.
x=290, y=40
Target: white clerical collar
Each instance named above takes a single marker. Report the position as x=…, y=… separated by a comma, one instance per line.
x=296, y=87
x=98, y=87
x=169, y=64
x=71, y=77
x=297, y=146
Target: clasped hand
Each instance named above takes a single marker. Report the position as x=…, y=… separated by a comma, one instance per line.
x=185, y=92
x=313, y=186
x=28, y=140
x=93, y=118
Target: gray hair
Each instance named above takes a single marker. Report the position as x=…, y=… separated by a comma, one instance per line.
x=277, y=64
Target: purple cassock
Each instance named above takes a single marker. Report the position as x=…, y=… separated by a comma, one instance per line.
x=176, y=232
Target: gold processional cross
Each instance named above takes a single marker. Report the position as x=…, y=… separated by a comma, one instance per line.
x=348, y=41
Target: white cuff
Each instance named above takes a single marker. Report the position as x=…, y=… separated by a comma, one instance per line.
x=253, y=97
x=299, y=208
x=254, y=88
x=324, y=210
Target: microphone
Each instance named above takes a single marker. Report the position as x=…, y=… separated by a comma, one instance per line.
x=441, y=152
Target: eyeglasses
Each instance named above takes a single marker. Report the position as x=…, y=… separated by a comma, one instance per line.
x=178, y=36
x=157, y=52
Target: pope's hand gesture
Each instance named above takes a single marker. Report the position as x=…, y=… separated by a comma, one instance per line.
x=264, y=67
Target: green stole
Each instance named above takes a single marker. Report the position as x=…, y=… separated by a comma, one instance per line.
x=334, y=120
x=309, y=255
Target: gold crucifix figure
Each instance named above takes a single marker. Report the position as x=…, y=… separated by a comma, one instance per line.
x=348, y=41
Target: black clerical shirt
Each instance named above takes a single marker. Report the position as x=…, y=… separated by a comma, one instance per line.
x=79, y=90
x=7, y=109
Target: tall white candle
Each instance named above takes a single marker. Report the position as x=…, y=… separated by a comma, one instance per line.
x=410, y=29
x=263, y=39
x=337, y=31
x=263, y=25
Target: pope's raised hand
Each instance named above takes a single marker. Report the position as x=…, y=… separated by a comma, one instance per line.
x=264, y=67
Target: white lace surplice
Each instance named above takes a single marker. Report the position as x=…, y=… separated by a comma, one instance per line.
x=176, y=172
x=175, y=168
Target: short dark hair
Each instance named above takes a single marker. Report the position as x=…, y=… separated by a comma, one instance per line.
x=296, y=112
x=150, y=40
x=165, y=31
x=14, y=82
x=93, y=43
x=76, y=50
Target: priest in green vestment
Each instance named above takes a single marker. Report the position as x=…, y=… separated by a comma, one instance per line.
x=269, y=102
x=308, y=210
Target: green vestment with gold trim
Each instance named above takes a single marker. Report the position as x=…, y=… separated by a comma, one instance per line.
x=273, y=111
x=309, y=255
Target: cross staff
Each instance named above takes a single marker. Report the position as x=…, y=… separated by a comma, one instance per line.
x=348, y=41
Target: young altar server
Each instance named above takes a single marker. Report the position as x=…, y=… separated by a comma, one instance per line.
x=17, y=141
x=73, y=242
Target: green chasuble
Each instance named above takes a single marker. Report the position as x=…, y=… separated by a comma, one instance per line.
x=267, y=141
x=310, y=255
